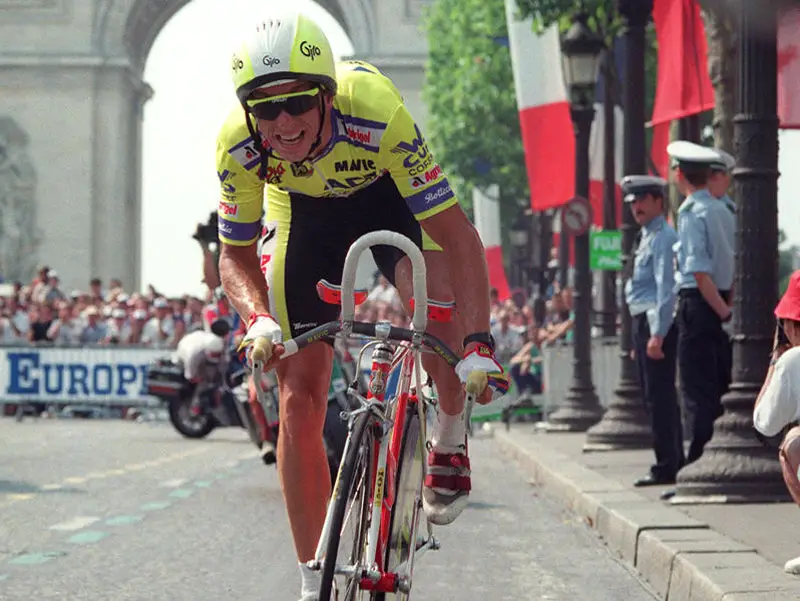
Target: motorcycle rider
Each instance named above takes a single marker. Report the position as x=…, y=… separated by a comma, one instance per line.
x=204, y=361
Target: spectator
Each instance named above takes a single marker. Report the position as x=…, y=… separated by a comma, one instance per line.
x=41, y=319
x=94, y=329
x=526, y=364
x=507, y=340
x=117, y=328
x=96, y=292
x=160, y=329
x=64, y=330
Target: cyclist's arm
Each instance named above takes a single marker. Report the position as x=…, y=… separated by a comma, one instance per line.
x=430, y=198
x=239, y=225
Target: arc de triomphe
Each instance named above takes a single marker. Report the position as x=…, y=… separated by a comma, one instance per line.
x=71, y=103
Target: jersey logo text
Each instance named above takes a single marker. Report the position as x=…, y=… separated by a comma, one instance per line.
x=354, y=165
x=228, y=210
x=224, y=176
x=352, y=182
x=424, y=179
x=274, y=174
x=417, y=157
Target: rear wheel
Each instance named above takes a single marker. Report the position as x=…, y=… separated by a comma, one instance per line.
x=351, y=505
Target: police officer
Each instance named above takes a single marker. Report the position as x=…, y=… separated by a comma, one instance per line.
x=705, y=251
x=718, y=184
x=650, y=295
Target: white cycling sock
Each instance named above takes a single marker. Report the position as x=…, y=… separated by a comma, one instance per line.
x=450, y=430
x=311, y=581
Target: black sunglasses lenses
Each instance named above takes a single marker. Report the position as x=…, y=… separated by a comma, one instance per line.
x=295, y=105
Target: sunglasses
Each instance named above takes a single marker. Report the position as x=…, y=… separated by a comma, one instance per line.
x=295, y=104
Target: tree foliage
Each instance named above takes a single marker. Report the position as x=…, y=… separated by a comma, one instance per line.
x=473, y=122
x=603, y=17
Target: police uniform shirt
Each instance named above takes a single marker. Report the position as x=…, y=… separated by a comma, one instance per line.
x=706, y=238
x=651, y=286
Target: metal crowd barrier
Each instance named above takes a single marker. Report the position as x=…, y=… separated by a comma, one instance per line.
x=558, y=371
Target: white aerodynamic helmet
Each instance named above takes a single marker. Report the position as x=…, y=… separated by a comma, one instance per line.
x=284, y=47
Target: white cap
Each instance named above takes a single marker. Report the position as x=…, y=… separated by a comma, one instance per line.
x=727, y=163
x=689, y=153
x=118, y=313
x=160, y=303
x=140, y=314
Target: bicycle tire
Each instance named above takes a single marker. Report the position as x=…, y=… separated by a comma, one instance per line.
x=411, y=456
x=359, y=455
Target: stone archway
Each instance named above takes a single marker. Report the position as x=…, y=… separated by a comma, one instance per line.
x=78, y=95
x=133, y=25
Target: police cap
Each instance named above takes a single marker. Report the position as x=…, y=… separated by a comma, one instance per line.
x=688, y=155
x=727, y=162
x=636, y=186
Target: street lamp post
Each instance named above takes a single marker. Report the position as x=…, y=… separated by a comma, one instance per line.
x=735, y=467
x=581, y=50
x=518, y=236
x=626, y=423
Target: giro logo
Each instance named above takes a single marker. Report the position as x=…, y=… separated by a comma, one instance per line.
x=309, y=50
x=271, y=61
x=237, y=63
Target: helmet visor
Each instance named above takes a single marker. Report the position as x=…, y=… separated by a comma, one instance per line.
x=295, y=104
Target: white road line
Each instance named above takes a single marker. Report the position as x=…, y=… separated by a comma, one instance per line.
x=173, y=483
x=75, y=523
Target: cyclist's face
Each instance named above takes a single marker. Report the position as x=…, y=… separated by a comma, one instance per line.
x=291, y=136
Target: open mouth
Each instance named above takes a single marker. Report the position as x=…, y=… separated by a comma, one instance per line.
x=290, y=140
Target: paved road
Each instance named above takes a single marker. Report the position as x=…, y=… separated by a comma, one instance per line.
x=111, y=510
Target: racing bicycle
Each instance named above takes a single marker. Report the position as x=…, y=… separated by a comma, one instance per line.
x=378, y=488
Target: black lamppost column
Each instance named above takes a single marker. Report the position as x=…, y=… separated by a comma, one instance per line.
x=518, y=236
x=581, y=48
x=735, y=467
x=626, y=423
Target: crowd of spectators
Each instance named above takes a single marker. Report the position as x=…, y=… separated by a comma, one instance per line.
x=42, y=312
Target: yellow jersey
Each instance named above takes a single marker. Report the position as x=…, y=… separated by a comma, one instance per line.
x=373, y=135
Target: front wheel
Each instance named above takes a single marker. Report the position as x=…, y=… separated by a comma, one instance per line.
x=408, y=504
x=352, y=496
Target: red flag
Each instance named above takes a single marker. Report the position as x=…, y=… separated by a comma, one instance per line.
x=683, y=87
x=789, y=69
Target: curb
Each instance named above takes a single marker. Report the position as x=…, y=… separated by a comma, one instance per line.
x=681, y=558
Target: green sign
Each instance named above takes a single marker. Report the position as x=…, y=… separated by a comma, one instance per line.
x=605, y=250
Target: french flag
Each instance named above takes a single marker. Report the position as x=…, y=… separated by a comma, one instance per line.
x=683, y=86
x=486, y=209
x=789, y=68
x=547, y=131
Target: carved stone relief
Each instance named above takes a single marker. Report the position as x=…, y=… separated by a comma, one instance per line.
x=19, y=233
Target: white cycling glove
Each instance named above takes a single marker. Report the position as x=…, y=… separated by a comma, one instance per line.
x=481, y=358
x=261, y=325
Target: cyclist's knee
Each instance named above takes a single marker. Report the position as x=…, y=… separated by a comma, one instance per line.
x=303, y=383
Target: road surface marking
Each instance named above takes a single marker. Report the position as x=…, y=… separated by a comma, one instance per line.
x=75, y=523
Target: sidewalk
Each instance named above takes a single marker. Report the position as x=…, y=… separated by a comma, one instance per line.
x=685, y=552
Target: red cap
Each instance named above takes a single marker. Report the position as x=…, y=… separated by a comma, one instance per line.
x=789, y=305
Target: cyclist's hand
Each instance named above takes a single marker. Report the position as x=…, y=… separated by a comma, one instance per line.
x=479, y=357
x=261, y=343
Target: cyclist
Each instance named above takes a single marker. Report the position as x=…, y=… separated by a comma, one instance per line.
x=340, y=156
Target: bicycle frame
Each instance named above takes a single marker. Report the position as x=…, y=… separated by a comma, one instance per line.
x=390, y=416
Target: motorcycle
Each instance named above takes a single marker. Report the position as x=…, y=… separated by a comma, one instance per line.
x=195, y=413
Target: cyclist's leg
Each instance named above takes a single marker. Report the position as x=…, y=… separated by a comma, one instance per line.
x=306, y=241
x=448, y=482
x=448, y=386
x=303, y=382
